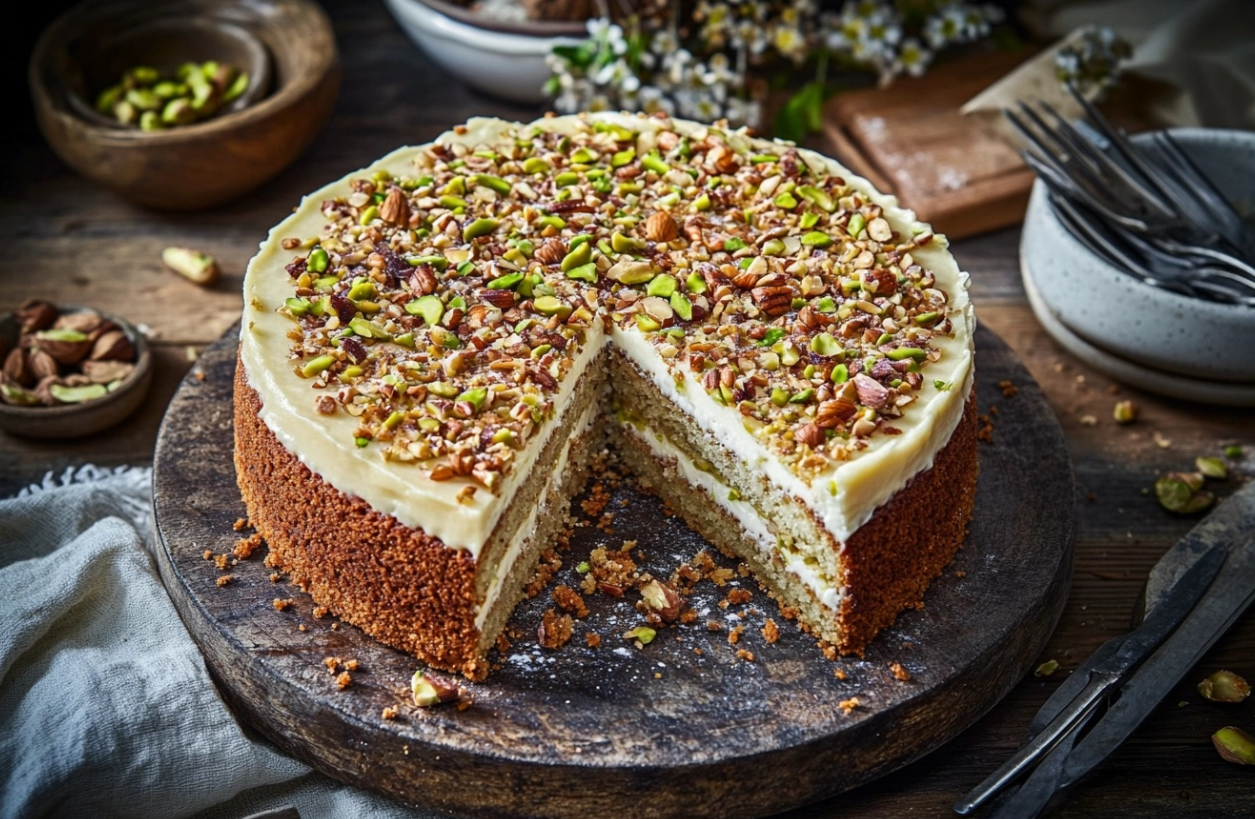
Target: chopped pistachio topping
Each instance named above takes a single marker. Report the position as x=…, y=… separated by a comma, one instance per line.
x=444, y=308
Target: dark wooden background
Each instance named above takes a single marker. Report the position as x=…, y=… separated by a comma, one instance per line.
x=65, y=239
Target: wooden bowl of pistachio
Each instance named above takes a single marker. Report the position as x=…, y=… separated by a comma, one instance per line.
x=69, y=371
x=184, y=104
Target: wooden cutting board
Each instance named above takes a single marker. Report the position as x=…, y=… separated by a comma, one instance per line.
x=681, y=727
x=910, y=140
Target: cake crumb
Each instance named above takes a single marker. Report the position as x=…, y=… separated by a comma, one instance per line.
x=734, y=636
x=985, y=431
x=555, y=630
x=224, y=580
x=389, y=713
x=737, y=596
x=282, y=604
x=899, y=673
x=1008, y=389
x=849, y=705
x=960, y=573
x=546, y=568
x=742, y=654
x=240, y=523
x=245, y=547
x=592, y=639
x=343, y=680
x=332, y=663
x=770, y=631
x=275, y=577
x=839, y=673
x=351, y=665
x=221, y=562
x=570, y=601
x=208, y=555
x=714, y=625
x=320, y=612
x=302, y=627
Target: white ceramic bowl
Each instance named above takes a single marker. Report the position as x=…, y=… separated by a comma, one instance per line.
x=1147, y=325
x=504, y=61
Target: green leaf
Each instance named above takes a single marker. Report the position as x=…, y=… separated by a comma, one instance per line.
x=581, y=56
x=803, y=113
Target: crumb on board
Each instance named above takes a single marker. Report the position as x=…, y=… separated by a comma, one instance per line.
x=592, y=639
x=389, y=713
x=849, y=705
x=985, y=430
x=208, y=554
x=770, y=631
x=743, y=654
x=240, y=523
x=899, y=672
x=734, y=636
x=555, y=629
x=224, y=580
x=245, y=547
x=1008, y=389
x=282, y=603
x=570, y=601
x=343, y=680
x=275, y=577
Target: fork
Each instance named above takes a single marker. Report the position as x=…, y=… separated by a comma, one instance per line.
x=1151, y=212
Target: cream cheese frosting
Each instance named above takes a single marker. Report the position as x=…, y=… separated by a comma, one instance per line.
x=844, y=495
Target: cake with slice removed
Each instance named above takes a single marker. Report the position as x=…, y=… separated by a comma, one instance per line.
x=433, y=349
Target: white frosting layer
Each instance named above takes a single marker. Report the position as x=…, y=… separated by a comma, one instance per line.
x=844, y=497
x=827, y=592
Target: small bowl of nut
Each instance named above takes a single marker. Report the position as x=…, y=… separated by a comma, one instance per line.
x=184, y=104
x=69, y=371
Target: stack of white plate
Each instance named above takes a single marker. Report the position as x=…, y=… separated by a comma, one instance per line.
x=1147, y=337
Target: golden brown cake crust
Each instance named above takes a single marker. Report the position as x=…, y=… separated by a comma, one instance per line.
x=889, y=562
x=399, y=585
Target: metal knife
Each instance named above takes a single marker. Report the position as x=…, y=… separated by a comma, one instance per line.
x=1106, y=675
x=1231, y=528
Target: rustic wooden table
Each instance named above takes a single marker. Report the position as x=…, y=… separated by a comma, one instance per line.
x=70, y=241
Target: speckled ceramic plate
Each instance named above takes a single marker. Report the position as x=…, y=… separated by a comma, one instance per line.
x=1223, y=393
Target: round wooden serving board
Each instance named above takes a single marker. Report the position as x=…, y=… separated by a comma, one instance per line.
x=682, y=726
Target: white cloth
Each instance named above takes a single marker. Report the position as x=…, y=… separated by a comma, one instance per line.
x=106, y=707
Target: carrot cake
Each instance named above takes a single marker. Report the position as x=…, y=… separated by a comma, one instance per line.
x=435, y=347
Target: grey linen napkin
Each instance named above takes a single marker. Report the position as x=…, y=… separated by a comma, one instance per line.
x=106, y=707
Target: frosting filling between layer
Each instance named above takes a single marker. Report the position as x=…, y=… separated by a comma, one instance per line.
x=824, y=590
x=524, y=533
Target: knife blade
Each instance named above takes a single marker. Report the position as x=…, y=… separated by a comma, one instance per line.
x=1107, y=674
x=1232, y=523
x=1224, y=525
x=1230, y=597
